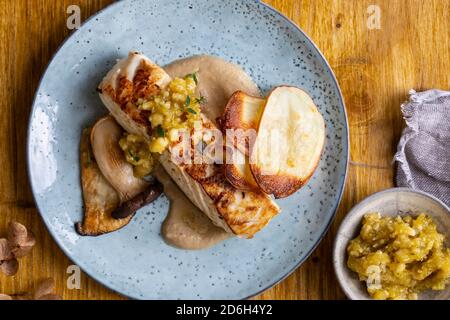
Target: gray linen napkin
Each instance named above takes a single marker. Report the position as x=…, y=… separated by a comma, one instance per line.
x=423, y=153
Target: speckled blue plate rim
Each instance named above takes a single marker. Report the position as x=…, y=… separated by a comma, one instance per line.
x=342, y=186
x=347, y=135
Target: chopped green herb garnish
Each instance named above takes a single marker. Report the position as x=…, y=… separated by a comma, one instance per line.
x=192, y=111
x=187, y=103
x=135, y=158
x=193, y=76
x=201, y=100
x=88, y=159
x=160, y=131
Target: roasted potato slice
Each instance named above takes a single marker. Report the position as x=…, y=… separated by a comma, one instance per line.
x=289, y=144
x=243, y=112
x=238, y=172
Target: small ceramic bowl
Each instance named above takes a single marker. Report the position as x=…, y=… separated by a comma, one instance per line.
x=395, y=201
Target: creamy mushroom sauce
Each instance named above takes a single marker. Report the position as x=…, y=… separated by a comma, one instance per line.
x=186, y=227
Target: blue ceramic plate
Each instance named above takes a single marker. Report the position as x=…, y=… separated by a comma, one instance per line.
x=134, y=260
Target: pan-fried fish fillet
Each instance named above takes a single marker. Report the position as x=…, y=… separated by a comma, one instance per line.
x=239, y=212
x=129, y=81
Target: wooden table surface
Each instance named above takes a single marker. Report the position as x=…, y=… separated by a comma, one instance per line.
x=375, y=69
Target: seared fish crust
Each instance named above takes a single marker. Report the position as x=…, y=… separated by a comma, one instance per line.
x=239, y=212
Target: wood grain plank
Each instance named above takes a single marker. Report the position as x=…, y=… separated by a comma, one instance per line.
x=375, y=69
x=30, y=34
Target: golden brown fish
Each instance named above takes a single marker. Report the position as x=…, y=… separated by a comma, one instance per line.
x=239, y=212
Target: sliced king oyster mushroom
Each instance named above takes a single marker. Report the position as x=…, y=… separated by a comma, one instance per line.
x=105, y=136
x=99, y=197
